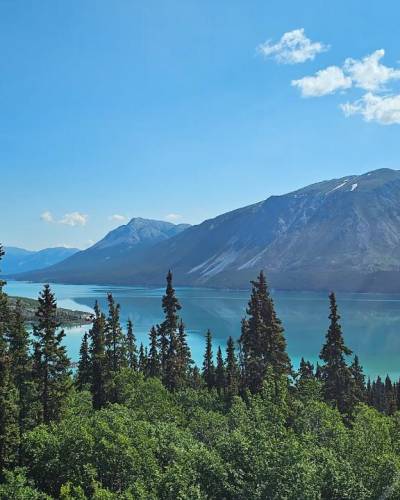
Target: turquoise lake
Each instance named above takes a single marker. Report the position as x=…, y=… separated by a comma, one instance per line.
x=371, y=322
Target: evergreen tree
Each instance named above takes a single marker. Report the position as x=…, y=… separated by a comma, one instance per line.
x=220, y=380
x=98, y=359
x=232, y=369
x=208, y=363
x=184, y=354
x=306, y=370
x=390, y=397
x=51, y=367
x=84, y=375
x=9, y=429
x=171, y=306
x=336, y=375
x=358, y=381
x=21, y=370
x=172, y=374
x=378, y=395
x=262, y=341
x=114, y=338
x=195, y=379
x=142, y=362
x=153, y=362
x=131, y=351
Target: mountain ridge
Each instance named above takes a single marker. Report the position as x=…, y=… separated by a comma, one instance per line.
x=18, y=259
x=341, y=233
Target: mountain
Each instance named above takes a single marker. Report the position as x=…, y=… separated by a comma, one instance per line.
x=341, y=234
x=18, y=260
x=128, y=241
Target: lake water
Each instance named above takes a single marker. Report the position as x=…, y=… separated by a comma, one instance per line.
x=371, y=322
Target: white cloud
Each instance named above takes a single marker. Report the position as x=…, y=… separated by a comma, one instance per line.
x=368, y=73
x=293, y=48
x=325, y=81
x=117, y=217
x=74, y=219
x=173, y=217
x=381, y=109
x=47, y=217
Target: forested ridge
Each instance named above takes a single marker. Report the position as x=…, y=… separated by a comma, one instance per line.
x=144, y=422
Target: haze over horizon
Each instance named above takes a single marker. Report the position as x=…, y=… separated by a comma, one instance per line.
x=186, y=111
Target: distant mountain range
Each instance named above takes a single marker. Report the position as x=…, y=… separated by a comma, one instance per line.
x=19, y=260
x=118, y=247
x=341, y=234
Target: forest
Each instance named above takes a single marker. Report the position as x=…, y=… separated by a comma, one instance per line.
x=131, y=421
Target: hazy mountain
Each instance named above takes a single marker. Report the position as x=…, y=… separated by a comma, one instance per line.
x=18, y=260
x=341, y=234
x=130, y=240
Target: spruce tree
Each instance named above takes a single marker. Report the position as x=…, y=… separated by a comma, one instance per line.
x=51, y=367
x=208, y=363
x=232, y=370
x=171, y=306
x=153, y=362
x=184, y=354
x=306, y=370
x=336, y=375
x=98, y=359
x=84, y=375
x=131, y=350
x=220, y=380
x=262, y=340
x=142, y=362
x=9, y=429
x=359, y=394
x=172, y=372
x=21, y=370
x=390, y=397
x=114, y=338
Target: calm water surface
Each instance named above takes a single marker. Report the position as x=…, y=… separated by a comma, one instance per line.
x=371, y=322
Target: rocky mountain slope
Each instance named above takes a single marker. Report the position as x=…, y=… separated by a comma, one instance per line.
x=341, y=234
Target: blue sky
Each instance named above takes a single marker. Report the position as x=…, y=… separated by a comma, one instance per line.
x=167, y=109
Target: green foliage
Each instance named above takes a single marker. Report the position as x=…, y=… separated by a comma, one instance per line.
x=151, y=427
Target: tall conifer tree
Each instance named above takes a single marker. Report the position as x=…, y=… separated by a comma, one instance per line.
x=171, y=306
x=262, y=341
x=208, y=363
x=131, y=350
x=84, y=376
x=9, y=429
x=114, y=338
x=98, y=359
x=153, y=363
x=336, y=375
x=232, y=369
x=184, y=354
x=21, y=369
x=51, y=367
x=220, y=379
x=359, y=392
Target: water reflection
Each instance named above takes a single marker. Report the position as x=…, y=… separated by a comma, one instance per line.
x=371, y=322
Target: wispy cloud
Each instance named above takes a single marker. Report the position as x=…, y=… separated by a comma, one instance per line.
x=69, y=219
x=173, y=217
x=74, y=219
x=375, y=108
x=47, y=217
x=116, y=218
x=293, y=48
x=326, y=81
